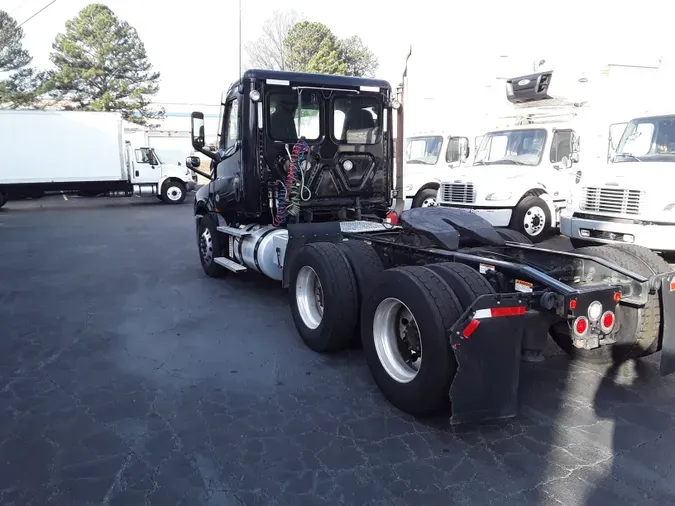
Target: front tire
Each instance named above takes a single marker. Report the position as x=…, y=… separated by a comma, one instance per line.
x=532, y=217
x=324, y=297
x=210, y=247
x=404, y=322
x=173, y=192
x=425, y=198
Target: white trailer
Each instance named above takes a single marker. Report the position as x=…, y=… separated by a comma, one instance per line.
x=81, y=152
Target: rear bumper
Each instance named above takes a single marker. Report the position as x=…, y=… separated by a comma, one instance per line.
x=497, y=217
x=655, y=237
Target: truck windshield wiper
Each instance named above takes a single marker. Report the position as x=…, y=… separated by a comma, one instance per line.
x=419, y=161
x=514, y=162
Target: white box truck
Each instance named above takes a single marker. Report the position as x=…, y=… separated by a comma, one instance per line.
x=81, y=152
x=631, y=200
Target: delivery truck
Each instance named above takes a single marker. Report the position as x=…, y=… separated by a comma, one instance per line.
x=85, y=152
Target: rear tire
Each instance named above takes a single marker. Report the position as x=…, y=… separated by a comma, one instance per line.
x=324, y=297
x=513, y=235
x=418, y=302
x=366, y=265
x=210, y=246
x=532, y=218
x=638, y=328
x=464, y=281
x=173, y=192
x=425, y=198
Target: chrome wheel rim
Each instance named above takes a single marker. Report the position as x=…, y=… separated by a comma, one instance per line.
x=429, y=202
x=397, y=340
x=174, y=193
x=309, y=297
x=534, y=221
x=206, y=246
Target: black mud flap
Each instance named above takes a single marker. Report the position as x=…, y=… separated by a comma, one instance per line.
x=485, y=386
x=668, y=324
x=300, y=234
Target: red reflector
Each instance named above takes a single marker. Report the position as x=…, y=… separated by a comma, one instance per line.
x=608, y=320
x=573, y=303
x=617, y=296
x=471, y=328
x=507, y=311
x=581, y=326
x=392, y=218
x=672, y=285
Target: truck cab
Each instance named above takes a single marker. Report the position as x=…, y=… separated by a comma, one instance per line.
x=628, y=202
x=522, y=173
x=148, y=174
x=429, y=158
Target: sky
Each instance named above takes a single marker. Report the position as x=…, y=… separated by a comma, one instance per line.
x=458, y=47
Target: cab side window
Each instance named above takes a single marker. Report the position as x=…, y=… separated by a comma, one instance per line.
x=561, y=146
x=231, y=124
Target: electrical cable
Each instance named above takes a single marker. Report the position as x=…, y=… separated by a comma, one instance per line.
x=38, y=12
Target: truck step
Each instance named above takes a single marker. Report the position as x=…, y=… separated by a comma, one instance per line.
x=229, y=264
x=235, y=232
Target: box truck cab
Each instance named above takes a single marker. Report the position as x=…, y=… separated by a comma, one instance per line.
x=629, y=202
x=429, y=158
x=522, y=174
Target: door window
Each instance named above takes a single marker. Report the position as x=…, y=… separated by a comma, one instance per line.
x=231, y=124
x=561, y=146
x=145, y=155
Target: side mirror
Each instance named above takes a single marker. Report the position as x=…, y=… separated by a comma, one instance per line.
x=197, y=131
x=193, y=162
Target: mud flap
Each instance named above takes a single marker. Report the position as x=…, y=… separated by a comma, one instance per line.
x=667, y=365
x=300, y=234
x=485, y=386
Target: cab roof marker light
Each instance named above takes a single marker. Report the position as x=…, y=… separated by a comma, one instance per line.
x=278, y=82
x=372, y=89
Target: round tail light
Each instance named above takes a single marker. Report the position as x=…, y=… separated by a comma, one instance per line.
x=607, y=321
x=580, y=326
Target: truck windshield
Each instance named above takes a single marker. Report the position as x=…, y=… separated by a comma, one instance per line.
x=423, y=150
x=512, y=147
x=648, y=139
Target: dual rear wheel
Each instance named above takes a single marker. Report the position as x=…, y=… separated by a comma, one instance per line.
x=402, y=315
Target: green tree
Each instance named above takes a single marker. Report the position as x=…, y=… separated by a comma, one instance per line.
x=21, y=86
x=312, y=47
x=101, y=65
x=360, y=60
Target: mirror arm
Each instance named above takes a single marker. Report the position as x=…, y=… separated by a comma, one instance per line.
x=204, y=174
x=206, y=152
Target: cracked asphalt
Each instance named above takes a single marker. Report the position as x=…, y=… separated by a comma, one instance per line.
x=127, y=377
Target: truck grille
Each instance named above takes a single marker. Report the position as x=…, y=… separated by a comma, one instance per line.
x=611, y=200
x=461, y=193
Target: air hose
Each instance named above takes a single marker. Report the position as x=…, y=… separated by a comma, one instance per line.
x=293, y=189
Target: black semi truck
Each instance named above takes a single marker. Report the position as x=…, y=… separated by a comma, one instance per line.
x=303, y=190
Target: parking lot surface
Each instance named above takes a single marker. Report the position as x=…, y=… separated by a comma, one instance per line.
x=128, y=377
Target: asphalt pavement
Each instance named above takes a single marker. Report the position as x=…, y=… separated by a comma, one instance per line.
x=128, y=377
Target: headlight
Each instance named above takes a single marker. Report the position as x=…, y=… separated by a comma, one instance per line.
x=669, y=207
x=498, y=196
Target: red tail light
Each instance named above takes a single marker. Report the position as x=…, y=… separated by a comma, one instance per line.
x=607, y=322
x=470, y=328
x=392, y=218
x=580, y=325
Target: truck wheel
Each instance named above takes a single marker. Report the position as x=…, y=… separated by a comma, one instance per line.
x=651, y=259
x=513, y=235
x=3, y=199
x=638, y=328
x=209, y=244
x=173, y=192
x=465, y=282
x=324, y=297
x=404, y=322
x=425, y=198
x=365, y=264
x=532, y=218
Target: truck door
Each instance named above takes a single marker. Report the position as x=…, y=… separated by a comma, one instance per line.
x=146, y=166
x=563, y=174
